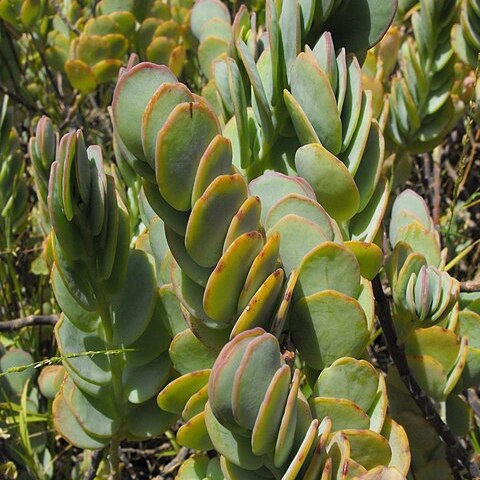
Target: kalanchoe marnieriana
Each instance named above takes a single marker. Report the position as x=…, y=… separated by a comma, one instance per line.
x=233, y=248
x=259, y=420
x=226, y=275
x=424, y=299
x=42, y=148
x=22, y=15
x=423, y=293
x=469, y=326
x=348, y=149
x=465, y=39
x=111, y=329
x=158, y=31
x=212, y=223
x=422, y=108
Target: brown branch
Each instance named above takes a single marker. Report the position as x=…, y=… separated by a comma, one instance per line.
x=177, y=461
x=470, y=286
x=30, y=321
x=458, y=458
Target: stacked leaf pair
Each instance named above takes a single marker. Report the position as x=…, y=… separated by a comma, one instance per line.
x=212, y=223
x=348, y=148
x=212, y=26
x=465, y=37
x=421, y=101
x=111, y=334
x=22, y=14
x=42, y=148
x=262, y=424
x=425, y=298
x=156, y=30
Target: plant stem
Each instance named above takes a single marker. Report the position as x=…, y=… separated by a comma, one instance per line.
x=114, y=460
x=116, y=368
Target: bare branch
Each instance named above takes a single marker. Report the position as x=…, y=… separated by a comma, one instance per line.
x=30, y=321
x=177, y=461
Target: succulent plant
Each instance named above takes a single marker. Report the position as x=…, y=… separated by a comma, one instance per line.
x=96, y=55
x=428, y=453
x=22, y=14
x=343, y=149
x=468, y=326
x=22, y=421
x=111, y=334
x=158, y=31
x=164, y=35
x=42, y=148
x=422, y=108
x=273, y=430
x=435, y=337
x=233, y=279
x=13, y=187
x=216, y=269
x=465, y=39
x=212, y=26
x=423, y=294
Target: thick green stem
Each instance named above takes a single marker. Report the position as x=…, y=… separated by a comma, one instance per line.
x=114, y=460
x=116, y=369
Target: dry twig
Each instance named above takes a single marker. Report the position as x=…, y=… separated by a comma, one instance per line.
x=30, y=321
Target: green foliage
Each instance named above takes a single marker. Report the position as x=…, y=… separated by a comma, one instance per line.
x=13, y=188
x=108, y=296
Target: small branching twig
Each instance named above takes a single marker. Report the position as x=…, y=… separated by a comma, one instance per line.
x=458, y=458
x=470, y=286
x=30, y=321
x=177, y=461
